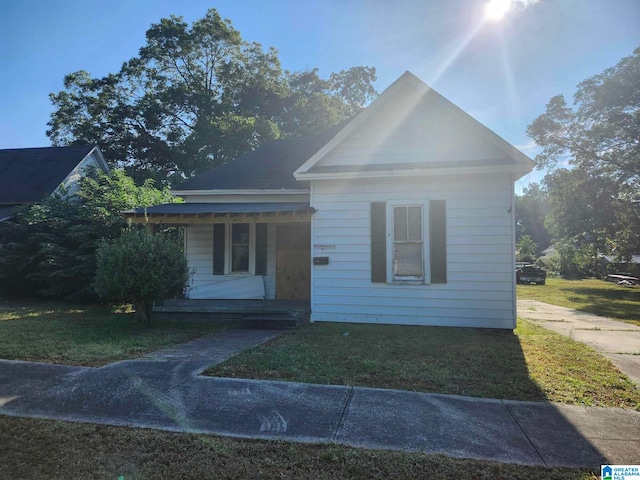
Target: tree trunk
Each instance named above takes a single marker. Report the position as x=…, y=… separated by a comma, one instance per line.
x=143, y=310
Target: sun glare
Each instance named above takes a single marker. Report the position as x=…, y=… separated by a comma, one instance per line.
x=495, y=10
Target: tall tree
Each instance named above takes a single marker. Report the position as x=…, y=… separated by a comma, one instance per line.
x=526, y=249
x=598, y=196
x=532, y=208
x=196, y=96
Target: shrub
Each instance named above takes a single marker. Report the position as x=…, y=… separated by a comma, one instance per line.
x=49, y=248
x=139, y=268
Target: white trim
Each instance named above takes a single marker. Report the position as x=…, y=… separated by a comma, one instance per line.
x=425, y=279
x=419, y=88
x=362, y=117
x=513, y=253
x=227, y=249
x=101, y=159
x=256, y=191
x=516, y=169
x=312, y=272
x=71, y=182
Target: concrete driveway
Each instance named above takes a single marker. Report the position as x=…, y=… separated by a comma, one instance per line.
x=616, y=340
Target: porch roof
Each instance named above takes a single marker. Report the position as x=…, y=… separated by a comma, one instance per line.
x=221, y=213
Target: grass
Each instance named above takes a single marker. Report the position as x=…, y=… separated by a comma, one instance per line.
x=32, y=448
x=593, y=296
x=85, y=335
x=531, y=363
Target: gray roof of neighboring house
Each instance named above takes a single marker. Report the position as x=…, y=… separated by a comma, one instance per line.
x=268, y=167
x=27, y=175
x=7, y=212
x=613, y=258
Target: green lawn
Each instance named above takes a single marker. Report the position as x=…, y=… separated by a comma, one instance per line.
x=84, y=335
x=531, y=363
x=592, y=296
x=32, y=448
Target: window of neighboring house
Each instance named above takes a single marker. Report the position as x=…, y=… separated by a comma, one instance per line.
x=408, y=244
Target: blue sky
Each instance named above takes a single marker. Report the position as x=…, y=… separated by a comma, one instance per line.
x=502, y=73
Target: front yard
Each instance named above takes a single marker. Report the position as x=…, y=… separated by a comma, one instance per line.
x=590, y=295
x=528, y=364
x=531, y=363
x=84, y=335
x=57, y=450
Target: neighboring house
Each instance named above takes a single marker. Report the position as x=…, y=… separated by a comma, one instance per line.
x=611, y=264
x=404, y=215
x=27, y=175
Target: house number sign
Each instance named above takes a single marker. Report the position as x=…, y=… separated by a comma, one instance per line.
x=323, y=246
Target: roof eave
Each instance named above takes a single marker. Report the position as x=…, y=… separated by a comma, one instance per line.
x=518, y=169
x=244, y=191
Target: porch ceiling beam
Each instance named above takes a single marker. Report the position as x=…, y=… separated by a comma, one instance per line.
x=199, y=218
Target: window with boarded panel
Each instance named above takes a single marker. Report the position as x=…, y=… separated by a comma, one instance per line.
x=438, y=240
x=218, y=248
x=378, y=242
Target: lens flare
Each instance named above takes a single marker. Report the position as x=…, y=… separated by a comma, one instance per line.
x=495, y=10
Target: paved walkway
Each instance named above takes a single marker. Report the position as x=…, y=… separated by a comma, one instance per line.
x=616, y=340
x=163, y=391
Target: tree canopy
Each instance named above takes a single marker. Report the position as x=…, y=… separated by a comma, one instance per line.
x=196, y=96
x=531, y=211
x=592, y=152
x=50, y=247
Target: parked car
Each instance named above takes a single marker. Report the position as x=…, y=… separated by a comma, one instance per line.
x=530, y=274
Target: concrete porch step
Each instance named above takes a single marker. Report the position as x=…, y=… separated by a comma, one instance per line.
x=276, y=321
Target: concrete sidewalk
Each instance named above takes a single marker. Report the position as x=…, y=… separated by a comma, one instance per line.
x=616, y=340
x=163, y=391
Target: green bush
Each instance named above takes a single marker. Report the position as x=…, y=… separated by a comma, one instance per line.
x=49, y=248
x=139, y=268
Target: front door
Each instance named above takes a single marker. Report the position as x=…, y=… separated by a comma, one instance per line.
x=293, y=262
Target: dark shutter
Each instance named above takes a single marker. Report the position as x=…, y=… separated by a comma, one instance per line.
x=218, y=248
x=261, y=248
x=438, y=240
x=378, y=242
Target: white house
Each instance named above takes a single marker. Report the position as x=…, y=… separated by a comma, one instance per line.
x=403, y=214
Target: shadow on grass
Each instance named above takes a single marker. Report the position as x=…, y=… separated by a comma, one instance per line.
x=462, y=361
x=616, y=303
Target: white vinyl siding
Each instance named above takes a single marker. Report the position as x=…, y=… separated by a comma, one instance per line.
x=204, y=284
x=430, y=132
x=480, y=287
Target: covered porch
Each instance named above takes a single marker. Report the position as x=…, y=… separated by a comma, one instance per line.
x=241, y=251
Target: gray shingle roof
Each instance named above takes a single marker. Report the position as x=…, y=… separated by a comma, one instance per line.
x=268, y=167
x=29, y=174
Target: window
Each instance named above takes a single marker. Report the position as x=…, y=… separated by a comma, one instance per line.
x=408, y=245
x=240, y=247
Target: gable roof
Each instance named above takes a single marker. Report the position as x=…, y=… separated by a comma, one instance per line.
x=410, y=86
x=268, y=167
x=29, y=174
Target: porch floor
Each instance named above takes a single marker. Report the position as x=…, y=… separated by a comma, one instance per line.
x=237, y=307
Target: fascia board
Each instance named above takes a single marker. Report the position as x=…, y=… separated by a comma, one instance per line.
x=519, y=170
x=183, y=193
x=361, y=118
